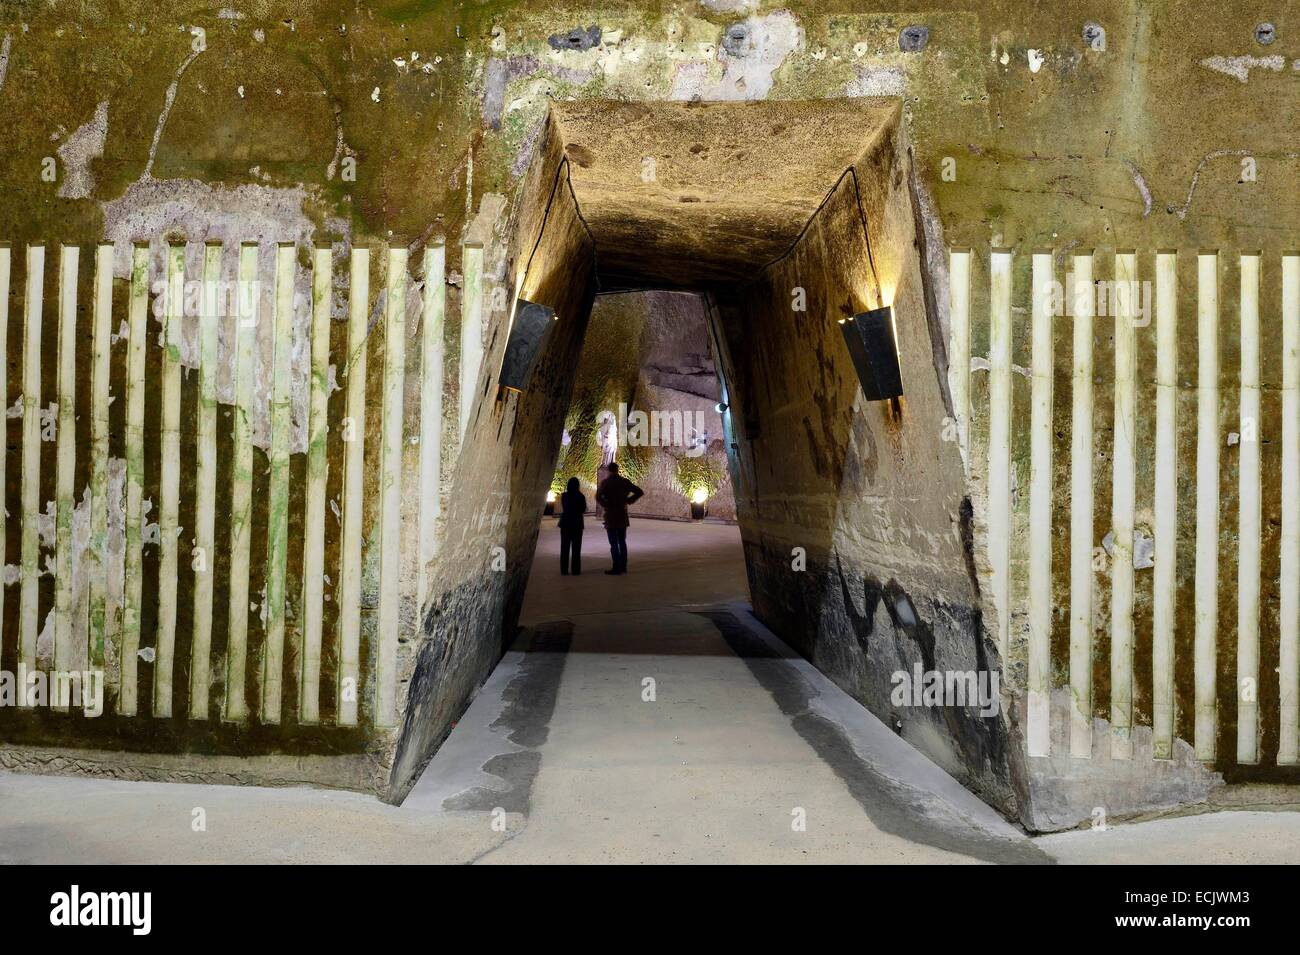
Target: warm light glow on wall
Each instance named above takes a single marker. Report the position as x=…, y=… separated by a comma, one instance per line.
x=514, y=304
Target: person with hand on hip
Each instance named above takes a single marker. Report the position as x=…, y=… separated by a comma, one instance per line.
x=615, y=494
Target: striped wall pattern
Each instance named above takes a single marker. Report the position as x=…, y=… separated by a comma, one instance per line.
x=243, y=560
x=1132, y=459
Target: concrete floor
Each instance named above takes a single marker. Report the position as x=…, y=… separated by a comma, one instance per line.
x=645, y=718
x=1217, y=838
x=741, y=737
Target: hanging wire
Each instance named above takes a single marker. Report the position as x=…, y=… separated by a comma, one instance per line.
x=546, y=214
x=862, y=218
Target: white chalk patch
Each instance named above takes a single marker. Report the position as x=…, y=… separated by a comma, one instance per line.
x=747, y=74
x=85, y=144
x=877, y=81
x=4, y=58
x=1239, y=67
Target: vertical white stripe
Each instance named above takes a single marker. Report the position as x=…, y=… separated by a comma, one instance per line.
x=313, y=559
x=29, y=595
x=100, y=620
x=431, y=411
x=959, y=349
x=1248, y=527
x=354, y=439
x=66, y=460
x=1288, y=751
x=5, y=274
x=1165, y=501
x=277, y=523
x=241, y=486
x=205, y=488
x=1081, y=507
x=471, y=332
x=1122, y=510
x=1040, y=509
x=133, y=559
x=999, y=521
x=390, y=491
x=169, y=508
x=1207, y=502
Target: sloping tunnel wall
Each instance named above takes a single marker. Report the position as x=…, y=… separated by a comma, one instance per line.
x=857, y=531
x=506, y=464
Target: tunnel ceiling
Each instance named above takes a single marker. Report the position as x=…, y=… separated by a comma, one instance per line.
x=692, y=195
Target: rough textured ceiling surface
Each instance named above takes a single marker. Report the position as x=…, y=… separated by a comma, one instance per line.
x=691, y=195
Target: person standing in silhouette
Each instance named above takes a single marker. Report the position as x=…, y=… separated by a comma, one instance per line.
x=574, y=505
x=615, y=494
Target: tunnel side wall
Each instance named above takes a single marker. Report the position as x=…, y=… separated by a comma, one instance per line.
x=506, y=463
x=857, y=531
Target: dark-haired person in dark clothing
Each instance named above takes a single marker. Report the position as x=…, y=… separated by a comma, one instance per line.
x=574, y=505
x=615, y=494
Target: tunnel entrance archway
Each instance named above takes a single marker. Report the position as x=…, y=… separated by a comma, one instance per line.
x=855, y=523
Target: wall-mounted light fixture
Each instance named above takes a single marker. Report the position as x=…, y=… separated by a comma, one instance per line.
x=870, y=338
x=699, y=498
x=527, y=332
